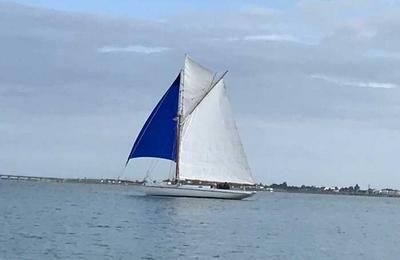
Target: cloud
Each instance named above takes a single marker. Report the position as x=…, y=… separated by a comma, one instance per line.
x=361, y=84
x=271, y=37
x=267, y=38
x=133, y=48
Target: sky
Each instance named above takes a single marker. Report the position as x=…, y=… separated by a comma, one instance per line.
x=314, y=85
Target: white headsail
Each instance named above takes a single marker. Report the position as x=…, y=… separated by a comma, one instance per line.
x=210, y=146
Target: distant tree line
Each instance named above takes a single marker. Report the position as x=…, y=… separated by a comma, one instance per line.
x=283, y=186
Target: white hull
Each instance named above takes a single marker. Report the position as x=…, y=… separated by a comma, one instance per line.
x=195, y=191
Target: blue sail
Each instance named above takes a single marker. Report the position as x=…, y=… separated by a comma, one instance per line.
x=158, y=135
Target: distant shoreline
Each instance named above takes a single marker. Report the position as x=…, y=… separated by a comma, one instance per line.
x=333, y=190
x=360, y=194
x=11, y=177
x=261, y=188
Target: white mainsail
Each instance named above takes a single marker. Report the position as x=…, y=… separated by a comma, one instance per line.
x=210, y=146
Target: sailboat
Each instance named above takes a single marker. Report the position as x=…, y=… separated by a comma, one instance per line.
x=193, y=126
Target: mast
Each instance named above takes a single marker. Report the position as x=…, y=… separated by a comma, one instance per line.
x=178, y=125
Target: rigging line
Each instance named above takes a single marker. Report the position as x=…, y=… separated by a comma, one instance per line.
x=150, y=168
x=170, y=169
x=208, y=92
x=154, y=162
x=121, y=173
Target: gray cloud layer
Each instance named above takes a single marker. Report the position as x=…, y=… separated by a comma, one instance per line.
x=75, y=88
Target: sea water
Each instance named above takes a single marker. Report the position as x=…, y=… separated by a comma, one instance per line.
x=40, y=220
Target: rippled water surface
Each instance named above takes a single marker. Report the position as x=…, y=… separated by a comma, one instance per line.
x=41, y=220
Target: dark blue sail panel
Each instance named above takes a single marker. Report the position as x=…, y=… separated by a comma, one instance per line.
x=158, y=135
